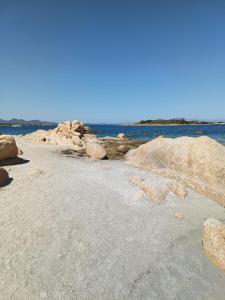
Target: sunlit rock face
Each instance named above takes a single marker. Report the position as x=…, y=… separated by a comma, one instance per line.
x=8, y=147
x=213, y=242
x=198, y=163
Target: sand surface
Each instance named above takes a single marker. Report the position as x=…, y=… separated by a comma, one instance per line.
x=72, y=228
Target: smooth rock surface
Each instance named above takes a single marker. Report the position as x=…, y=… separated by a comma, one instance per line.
x=198, y=163
x=95, y=151
x=123, y=148
x=8, y=147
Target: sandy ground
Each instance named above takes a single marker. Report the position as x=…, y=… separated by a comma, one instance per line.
x=77, y=229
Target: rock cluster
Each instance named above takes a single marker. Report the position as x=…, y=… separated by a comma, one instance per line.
x=198, y=163
x=72, y=134
x=78, y=137
x=213, y=242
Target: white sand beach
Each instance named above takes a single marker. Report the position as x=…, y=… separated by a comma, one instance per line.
x=74, y=228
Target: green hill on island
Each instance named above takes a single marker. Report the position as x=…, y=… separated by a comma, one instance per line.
x=175, y=122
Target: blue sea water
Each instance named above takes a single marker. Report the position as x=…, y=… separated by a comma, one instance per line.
x=145, y=133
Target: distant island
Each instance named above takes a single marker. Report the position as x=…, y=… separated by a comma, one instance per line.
x=24, y=122
x=173, y=122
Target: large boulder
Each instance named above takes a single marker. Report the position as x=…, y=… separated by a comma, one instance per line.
x=213, y=242
x=95, y=151
x=195, y=162
x=8, y=148
x=4, y=177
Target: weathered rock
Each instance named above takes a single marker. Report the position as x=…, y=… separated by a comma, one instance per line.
x=77, y=140
x=8, y=147
x=4, y=177
x=154, y=192
x=157, y=188
x=95, y=151
x=123, y=148
x=198, y=163
x=121, y=136
x=66, y=134
x=213, y=242
x=67, y=128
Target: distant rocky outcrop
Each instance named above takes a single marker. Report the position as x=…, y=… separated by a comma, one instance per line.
x=213, y=242
x=8, y=147
x=198, y=163
x=78, y=137
x=68, y=134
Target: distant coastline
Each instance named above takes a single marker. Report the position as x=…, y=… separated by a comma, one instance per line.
x=174, y=122
x=21, y=122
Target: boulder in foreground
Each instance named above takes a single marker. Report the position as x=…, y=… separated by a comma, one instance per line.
x=213, y=242
x=4, y=177
x=8, y=147
x=198, y=163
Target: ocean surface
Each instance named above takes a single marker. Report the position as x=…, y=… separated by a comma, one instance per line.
x=145, y=133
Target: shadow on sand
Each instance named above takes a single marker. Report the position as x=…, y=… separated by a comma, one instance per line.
x=7, y=182
x=13, y=161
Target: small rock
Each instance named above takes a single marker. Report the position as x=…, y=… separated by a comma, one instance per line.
x=4, y=177
x=123, y=149
x=179, y=215
x=95, y=151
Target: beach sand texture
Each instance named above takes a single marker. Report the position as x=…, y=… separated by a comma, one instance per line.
x=73, y=228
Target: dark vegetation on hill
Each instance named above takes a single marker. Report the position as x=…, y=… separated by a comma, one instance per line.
x=175, y=122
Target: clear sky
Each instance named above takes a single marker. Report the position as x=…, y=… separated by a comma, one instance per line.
x=113, y=60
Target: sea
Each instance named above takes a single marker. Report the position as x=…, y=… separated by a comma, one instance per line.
x=144, y=133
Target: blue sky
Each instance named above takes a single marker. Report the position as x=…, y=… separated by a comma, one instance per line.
x=112, y=61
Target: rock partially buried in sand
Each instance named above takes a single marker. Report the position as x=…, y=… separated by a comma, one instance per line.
x=95, y=151
x=198, y=163
x=157, y=188
x=4, y=177
x=8, y=148
x=213, y=242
